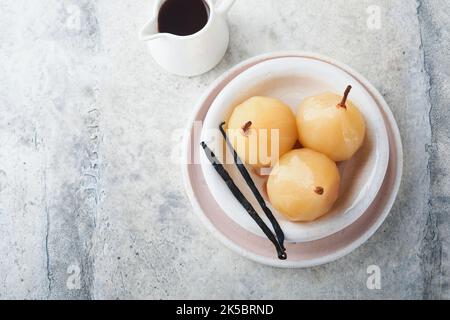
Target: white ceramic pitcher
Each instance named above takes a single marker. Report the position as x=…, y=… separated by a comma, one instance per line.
x=193, y=54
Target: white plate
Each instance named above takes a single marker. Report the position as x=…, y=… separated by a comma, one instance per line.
x=291, y=79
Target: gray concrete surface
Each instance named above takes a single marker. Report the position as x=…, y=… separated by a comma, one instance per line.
x=87, y=121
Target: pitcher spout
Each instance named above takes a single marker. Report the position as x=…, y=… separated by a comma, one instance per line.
x=150, y=31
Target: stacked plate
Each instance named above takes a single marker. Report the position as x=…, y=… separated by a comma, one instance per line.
x=370, y=181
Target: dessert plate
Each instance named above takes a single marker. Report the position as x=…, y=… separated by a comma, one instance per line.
x=257, y=248
x=291, y=79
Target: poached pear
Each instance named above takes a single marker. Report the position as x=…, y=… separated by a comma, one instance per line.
x=303, y=185
x=331, y=124
x=261, y=130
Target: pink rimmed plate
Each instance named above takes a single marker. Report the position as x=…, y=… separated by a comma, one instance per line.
x=257, y=248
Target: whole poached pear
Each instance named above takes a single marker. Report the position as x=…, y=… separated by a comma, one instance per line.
x=331, y=124
x=261, y=130
x=303, y=185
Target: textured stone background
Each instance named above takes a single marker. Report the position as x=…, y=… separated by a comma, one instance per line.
x=86, y=124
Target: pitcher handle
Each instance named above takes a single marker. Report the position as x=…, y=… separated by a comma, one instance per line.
x=224, y=5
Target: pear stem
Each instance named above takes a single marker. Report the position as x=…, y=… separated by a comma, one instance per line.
x=246, y=127
x=344, y=99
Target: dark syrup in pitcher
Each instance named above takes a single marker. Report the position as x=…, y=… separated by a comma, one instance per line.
x=183, y=17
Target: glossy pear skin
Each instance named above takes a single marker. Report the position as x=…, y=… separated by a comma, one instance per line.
x=273, y=128
x=304, y=185
x=330, y=129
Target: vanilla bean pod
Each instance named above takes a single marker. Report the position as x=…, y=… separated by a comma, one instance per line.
x=251, y=184
x=242, y=200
